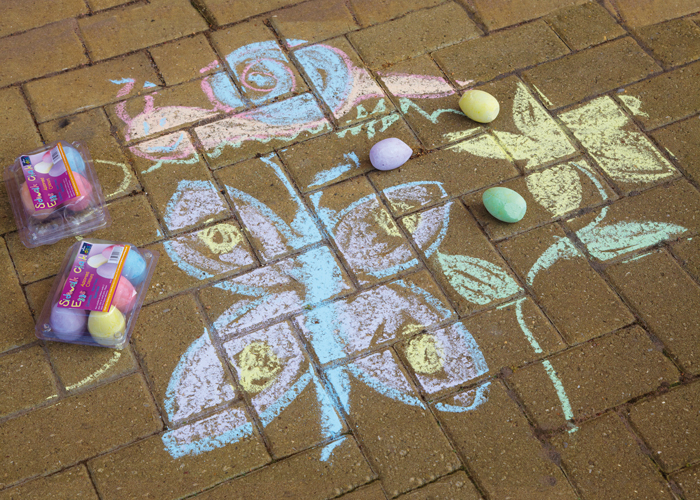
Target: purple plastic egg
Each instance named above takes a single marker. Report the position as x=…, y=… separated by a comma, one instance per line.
x=68, y=324
x=389, y=154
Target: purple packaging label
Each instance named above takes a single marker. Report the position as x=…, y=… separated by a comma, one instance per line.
x=93, y=279
x=50, y=180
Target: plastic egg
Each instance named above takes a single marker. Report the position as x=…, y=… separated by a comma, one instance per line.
x=134, y=268
x=43, y=167
x=504, y=204
x=67, y=324
x=480, y=106
x=96, y=261
x=85, y=188
x=28, y=203
x=124, y=295
x=389, y=154
x=107, y=328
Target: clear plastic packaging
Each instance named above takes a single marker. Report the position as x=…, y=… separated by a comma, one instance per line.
x=54, y=193
x=97, y=295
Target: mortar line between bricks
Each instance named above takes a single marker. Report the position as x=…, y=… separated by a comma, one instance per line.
x=93, y=480
x=644, y=448
x=81, y=38
x=680, y=261
x=229, y=71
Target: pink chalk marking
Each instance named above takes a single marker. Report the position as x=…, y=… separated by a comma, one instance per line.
x=244, y=76
x=211, y=66
x=417, y=86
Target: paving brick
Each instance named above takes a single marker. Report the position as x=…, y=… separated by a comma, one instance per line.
x=262, y=130
x=349, y=326
x=594, y=376
x=284, y=389
x=621, y=150
x=670, y=424
x=525, y=128
x=306, y=475
x=183, y=194
x=105, y=4
x=174, y=107
x=15, y=317
x=550, y=194
x=462, y=260
x=82, y=426
x=678, y=139
x=7, y=220
x=652, y=285
x=604, y=461
x=364, y=232
x=687, y=251
x=185, y=59
x=638, y=222
x=273, y=213
x=90, y=87
x=132, y=221
x=272, y=292
x=497, y=14
x=131, y=471
x=80, y=367
x=441, y=175
x=637, y=13
x=572, y=294
x=71, y=484
x=334, y=157
x=371, y=492
x=570, y=79
x=427, y=101
x=170, y=361
x=513, y=334
x=18, y=135
x=456, y=486
x=368, y=12
x=28, y=374
x=403, y=441
x=665, y=98
x=258, y=63
x=37, y=293
x=673, y=42
x=93, y=129
x=21, y=15
x=414, y=34
x=483, y=423
x=689, y=481
x=485, y=58
x=39, y=52
x=360, y=98
x=582, y=26
x=135, y=27
x=314, y=21
x=231, y=11
x=195, y=258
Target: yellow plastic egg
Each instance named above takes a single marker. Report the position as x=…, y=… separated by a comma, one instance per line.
x=107, y=328
x=480, y=106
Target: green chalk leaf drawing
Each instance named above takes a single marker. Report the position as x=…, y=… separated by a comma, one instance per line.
x=608, y=242
x=561, y=249
x=477, y=280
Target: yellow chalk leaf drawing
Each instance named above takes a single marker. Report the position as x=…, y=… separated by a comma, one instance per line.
x=483, y=145
x=424, y=355
x=221, y=238
x=558, y=189
x=541, y=140
x=625, y=153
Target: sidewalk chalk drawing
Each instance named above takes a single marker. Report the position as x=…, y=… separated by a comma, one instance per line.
x=308, y=295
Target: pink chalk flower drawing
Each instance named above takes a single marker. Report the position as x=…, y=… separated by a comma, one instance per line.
x=295, y=329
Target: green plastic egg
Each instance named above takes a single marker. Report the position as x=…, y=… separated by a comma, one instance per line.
x=504, y=204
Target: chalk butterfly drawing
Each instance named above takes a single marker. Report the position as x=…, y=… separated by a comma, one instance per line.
x=308, y=293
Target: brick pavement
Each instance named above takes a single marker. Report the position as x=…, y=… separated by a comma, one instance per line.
x=319, y=329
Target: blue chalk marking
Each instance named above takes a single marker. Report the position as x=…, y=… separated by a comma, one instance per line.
x=480, y=397
x=224, y=90
x=328, y=73
x=285, y=400
x=149, y=85
x=328, y=449
x=331, y=174
x=559, y=387
x=561, y=249
x=206, y=444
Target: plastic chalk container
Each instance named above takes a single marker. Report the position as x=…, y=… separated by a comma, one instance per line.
x=98, y=293
x=54, y=193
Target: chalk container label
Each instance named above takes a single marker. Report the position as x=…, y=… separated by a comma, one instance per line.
x=49, y=178
x=93, y=277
